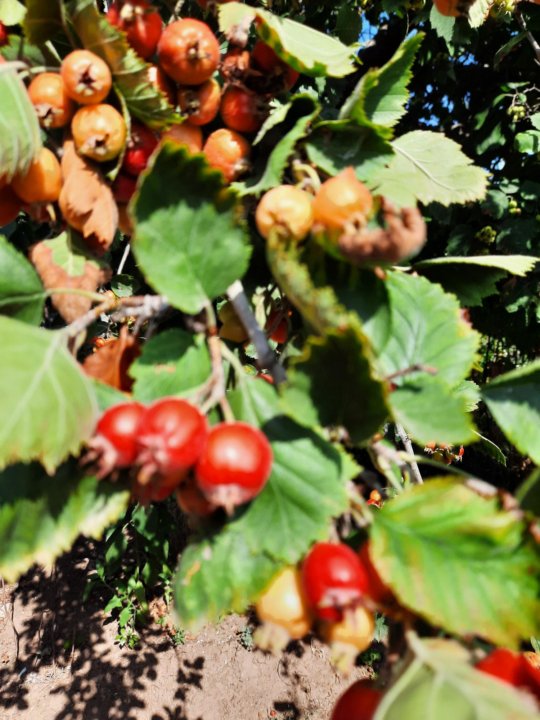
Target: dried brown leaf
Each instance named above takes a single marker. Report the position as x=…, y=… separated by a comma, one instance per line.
x=110, y=363
x=54, y=275
x=86, y=200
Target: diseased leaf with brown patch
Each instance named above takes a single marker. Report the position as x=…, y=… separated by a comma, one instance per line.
x=61, y=263
x=110, y=363
x=86, y=200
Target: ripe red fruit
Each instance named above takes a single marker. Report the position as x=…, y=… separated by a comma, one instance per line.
x=161, y=82
x=190, y=136
x=234, y=465
x=87, y=78
x=141, y=144
x=99, y=132
x=287, y=210
x=358, y=702
x=340, y=200
x=452, y=8
x=141, y=23
x=123, y=188
x=266, y=60
x=42, y=182
x=118, y=426
x=191, y=500
x=228, y=151
x=48, y=95
x=10, y=205
x=277, y=326
x=235, y=64
x=3, y=35
x=172, y=435
x=242, y=110
x=188, y=51
x=334, y=579
x=513, y=668
x=200, y=104
x=376, y=589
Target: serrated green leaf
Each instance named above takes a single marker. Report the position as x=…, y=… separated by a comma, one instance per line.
x=430, y=410
x=488, y=447
x=528, y=142
x=172, y=363
x=472, y=279
x=21, y=292
x=348, y=23
x=514, y=401
x=379, y=99
x=41, y=517
x=335, y=146
x=349, y=396
x=442, y=682
x=305, y=49
x=306, y=488
x=12, y=12
x=535, y=120
x=479, y=13
x=48, y=407
x=20, y=137
x=130, y=72
x=460, y=561
x=429, y=167
x=187, y=241
x=443, y=25
x=427, y=330
x=107, y=396
x=43, y=20
x=304, y=110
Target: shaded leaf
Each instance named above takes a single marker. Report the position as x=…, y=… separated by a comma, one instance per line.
x=87, y=201
x=514, y=401
x=43, y=20
x=111, y=363
x=48, y=407
x=172, y=363
x=460, y=561
x=528, y=493
x=41, y=517
x=429, y=167
x=63, y=263
x=21, y=292
x=187, y=240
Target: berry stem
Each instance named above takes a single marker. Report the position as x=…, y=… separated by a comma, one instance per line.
x=217, y=383
x=415, y=470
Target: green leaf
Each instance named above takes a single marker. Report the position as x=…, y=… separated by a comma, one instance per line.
x=472, y=279
x=429, y=167
x=172, y=363
x=528, y=493
x=514, y=401
x=12, y=12
x=443, y=25
x=440, y=678
x=335, y=146
x=107, y=396
x=535, y=120
x=488, y=447
x=430, y=410
x=187, y=241
x=306, y=488
x=41, y=517
x=459, y=561
x=331, y=383
x=48, y=407
x=348, y=23
x=21, y=292
x=379, y=99
x=299, y=114
x=20, y=137
x=217, y=576
x=305, y=49
x=43, y=20
x=479, y=13
x=528, y=142
x=130, y=72
x=426, y=330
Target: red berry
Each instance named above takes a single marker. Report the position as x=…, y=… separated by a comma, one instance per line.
x=200, y=104
x=359, y=702
x=228, y=151
x=141, y=23
x=266, y=60
x=188, y=51
x=512, y=668
x=119, y=425
x=123, y=188
x=242, y=110
x=235, y=464
x=172, y=435
x=3, y=35
x=141, y=144
x=334, y=579
x=87, y=78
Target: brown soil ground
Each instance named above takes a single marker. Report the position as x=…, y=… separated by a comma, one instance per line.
x=59, y=661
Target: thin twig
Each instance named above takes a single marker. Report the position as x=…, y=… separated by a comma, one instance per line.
x=415, y=470
x=124, y=258
x=266, y=357
x=530, y=37
x=217, y=386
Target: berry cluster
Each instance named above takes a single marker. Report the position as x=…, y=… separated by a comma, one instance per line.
x=336, y=588
x=170, y=447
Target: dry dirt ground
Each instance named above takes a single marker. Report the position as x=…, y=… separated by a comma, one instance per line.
x=59, y=661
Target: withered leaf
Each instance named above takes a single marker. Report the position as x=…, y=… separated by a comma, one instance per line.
x=403, y=235
x=110, y=363
x=86, y=200
x=62, y=263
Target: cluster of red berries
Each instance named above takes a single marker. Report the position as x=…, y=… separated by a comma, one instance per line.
x=171, y=448
x=335, y=588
